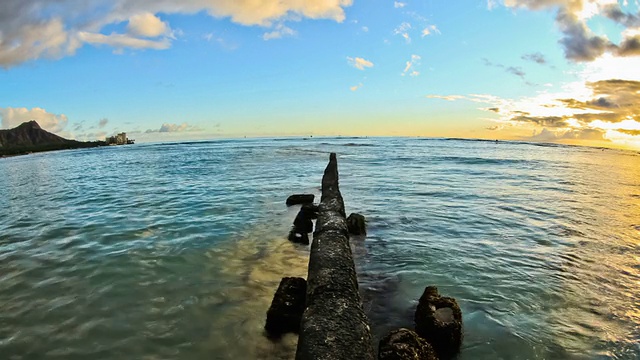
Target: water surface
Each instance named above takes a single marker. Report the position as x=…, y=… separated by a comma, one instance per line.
x=173, y=251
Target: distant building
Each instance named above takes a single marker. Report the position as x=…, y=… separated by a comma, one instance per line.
x=119, y=139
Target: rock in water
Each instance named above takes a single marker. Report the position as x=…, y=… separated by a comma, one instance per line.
x=356, y=224
x=302, y=223
x=298, y=199
x=404, y=344
x=439, y=321
x=298, y=237
x=287, y=307
x=311, y=210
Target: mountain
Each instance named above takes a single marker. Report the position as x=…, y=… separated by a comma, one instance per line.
x=28, y=134
x=30, y=137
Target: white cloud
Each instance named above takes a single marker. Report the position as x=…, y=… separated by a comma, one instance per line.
x=411, y=65
x=211, y=37
x=91, y=136
x=359, y=63
x=120, y=41
x=12, y=117
x=398, y=4
x=167, y=128
x=280, y=31
x=34, y=29
x=147, y=25
x=365, y=29
x=431, y=29
x=356, y=87
x=446, y=97
x=403, y=30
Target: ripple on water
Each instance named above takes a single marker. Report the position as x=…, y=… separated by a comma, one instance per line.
x=175, y=250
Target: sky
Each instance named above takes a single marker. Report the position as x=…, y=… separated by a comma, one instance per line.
x=164, y=70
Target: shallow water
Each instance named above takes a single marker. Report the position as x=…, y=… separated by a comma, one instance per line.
x=169, y=251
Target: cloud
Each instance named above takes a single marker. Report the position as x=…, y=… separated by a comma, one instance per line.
x=120, y=41
x=605, y=97
x=575, y=134
x=35, y=29
x=359, y=63
x=596, y=110
x=446, y=97
x=166, y=128
x=280, y=31
x=513, y=70
x=630, y=45
x=403, y=30
x=629, y=132
x=103, y=122
x=356, y=87
x=92, y=136
x=517, y=71
x=45, y=39
x=410, y=67
x=580, y=43
x=212, y=37
x=431, y=29
x=611, y=100
x=12, y=117
x=548, y=121
x=536, y=57
x=147, y=25
x=613, y=11
x=398, y=4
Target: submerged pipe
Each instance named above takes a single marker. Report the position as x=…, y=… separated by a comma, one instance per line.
x=334, y=325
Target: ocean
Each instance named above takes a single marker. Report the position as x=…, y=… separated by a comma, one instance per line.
x=174, y=251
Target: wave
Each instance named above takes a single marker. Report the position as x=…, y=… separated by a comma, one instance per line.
x=481, y=161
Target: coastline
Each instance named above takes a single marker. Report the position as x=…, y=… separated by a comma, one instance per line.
x=19, y=151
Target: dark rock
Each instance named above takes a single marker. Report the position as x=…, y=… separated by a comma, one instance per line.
x=356, y=224
x=404, y=344
x=302, y=222
x=287, y=307
x=300, y=199
x=298, y=237
x=311, y=210
x=438, y=320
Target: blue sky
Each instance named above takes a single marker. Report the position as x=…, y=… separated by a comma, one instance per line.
x=548, y=70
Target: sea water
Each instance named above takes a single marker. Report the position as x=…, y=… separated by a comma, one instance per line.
x=174, y=251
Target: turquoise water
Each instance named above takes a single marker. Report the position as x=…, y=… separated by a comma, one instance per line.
x=174, y=251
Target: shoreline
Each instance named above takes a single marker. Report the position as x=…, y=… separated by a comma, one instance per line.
x=12, y=152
